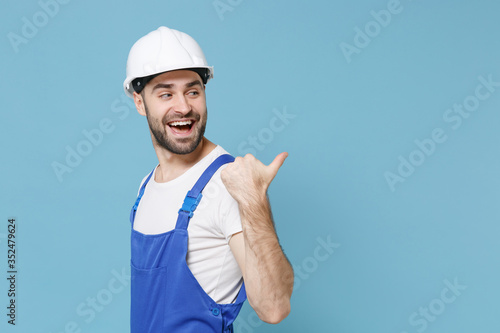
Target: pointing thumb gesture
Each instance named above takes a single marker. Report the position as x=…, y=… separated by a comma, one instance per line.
x=247, y=177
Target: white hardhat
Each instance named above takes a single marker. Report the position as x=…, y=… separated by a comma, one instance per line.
x=160, y=51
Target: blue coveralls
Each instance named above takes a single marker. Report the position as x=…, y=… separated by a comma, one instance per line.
x=165, y=295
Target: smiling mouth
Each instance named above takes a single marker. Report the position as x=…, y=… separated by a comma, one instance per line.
x=181, y=126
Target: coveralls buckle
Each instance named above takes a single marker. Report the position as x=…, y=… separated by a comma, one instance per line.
x=190, y=203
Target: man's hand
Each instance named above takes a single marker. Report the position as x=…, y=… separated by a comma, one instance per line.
x=247, y=177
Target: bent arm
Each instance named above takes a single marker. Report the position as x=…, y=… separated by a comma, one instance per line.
x=266, y=271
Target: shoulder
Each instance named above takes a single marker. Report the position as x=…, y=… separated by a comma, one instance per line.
x=219, y=150
x=151, y=173
x=217, y=180
x=215, y=192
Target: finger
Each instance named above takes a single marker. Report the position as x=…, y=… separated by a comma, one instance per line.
x=277, y=163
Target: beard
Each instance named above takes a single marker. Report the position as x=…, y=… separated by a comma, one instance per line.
x=181, y=146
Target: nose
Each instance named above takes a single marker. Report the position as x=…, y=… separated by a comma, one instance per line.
x=181, y=104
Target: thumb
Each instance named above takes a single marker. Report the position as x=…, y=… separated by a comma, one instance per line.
x=277, y=163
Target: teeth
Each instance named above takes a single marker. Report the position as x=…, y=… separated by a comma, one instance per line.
x=180, y=123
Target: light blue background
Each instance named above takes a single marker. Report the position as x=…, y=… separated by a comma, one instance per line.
x=352, y=122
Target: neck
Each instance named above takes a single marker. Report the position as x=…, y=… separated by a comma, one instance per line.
x=173, y=165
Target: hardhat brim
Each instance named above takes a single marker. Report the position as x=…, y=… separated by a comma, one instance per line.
x=139, y=83
x=129, y=87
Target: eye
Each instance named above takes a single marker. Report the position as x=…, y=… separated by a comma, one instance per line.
x=193, y=93
x=165, y=95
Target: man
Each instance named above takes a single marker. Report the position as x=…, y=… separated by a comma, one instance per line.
x=193, y=267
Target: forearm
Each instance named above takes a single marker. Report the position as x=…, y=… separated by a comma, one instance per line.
x=268, y=274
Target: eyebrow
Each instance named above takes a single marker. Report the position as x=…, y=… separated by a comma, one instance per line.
x=170, y=85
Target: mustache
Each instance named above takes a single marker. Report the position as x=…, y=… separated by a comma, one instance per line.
x=167, y=118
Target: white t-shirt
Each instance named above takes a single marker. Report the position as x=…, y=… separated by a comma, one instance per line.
x=214, y=221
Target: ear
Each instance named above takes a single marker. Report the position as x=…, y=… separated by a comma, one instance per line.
x=139, y=104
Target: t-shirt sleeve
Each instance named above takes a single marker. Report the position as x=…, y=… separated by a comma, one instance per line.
x=229, y=221
x=231, y=224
